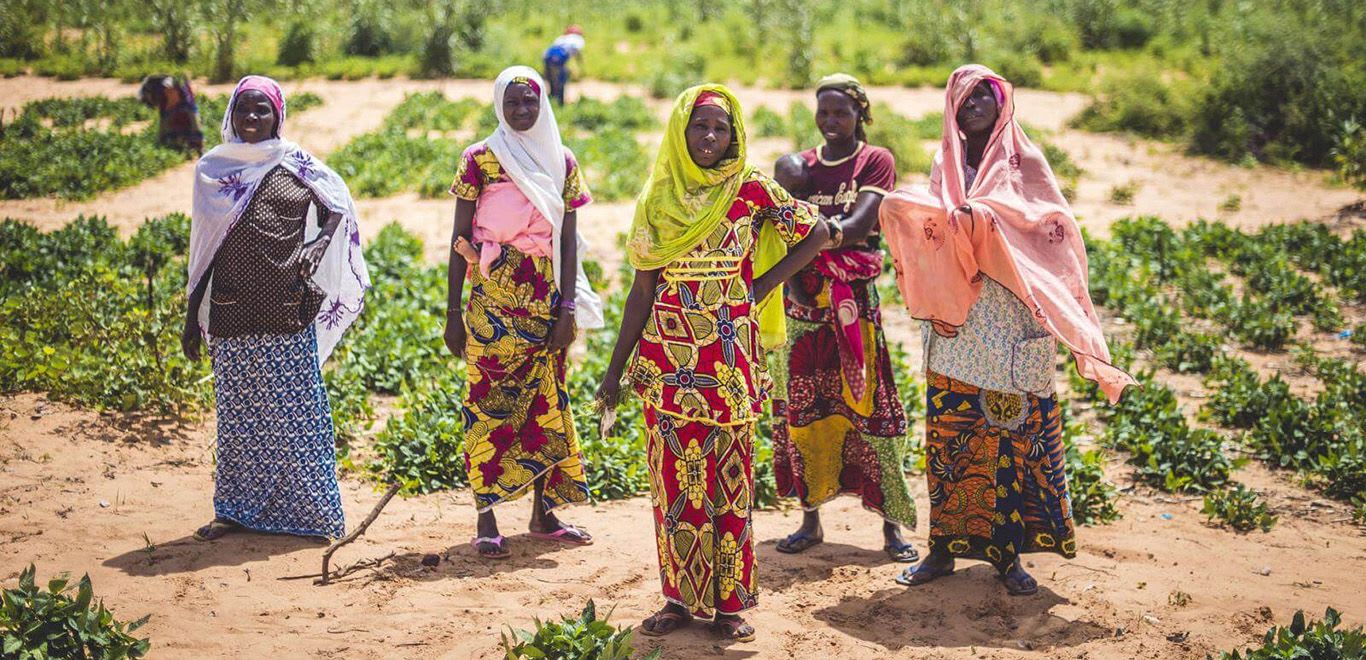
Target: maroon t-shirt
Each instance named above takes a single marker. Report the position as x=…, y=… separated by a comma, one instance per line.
x=836, y=184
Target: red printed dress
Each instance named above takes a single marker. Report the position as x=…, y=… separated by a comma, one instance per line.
x=839, y=427
x=699, y=368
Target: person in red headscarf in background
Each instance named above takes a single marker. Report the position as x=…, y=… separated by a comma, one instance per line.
x=556, y=59
x=992, y=259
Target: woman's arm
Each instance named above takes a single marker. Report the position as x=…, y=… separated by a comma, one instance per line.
x=562, y=332
x=190, y=337
x=455, y=279
x=798, y=256
x=314, y=250
x=861, y=221
x=633, y=319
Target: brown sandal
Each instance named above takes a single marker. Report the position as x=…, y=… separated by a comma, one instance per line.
x=215, y=530
x=733, y=628
x=664, y=622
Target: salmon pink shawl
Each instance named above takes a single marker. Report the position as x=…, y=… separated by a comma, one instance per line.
x=1012, y=225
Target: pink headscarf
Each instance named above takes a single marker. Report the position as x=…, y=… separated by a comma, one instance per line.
x=264, y=85
x=1013, y=225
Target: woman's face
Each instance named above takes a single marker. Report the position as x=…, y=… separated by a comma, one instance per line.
x=977, y=115
x=521, y=106
x=253, y=117
x=836, y=115
x=709, y=135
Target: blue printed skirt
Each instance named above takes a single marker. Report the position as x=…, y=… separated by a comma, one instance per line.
x=277, y=463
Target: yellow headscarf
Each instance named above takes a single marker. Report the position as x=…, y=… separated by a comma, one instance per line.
x=683, y=203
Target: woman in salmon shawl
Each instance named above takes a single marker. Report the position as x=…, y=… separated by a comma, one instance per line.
x=992, y=258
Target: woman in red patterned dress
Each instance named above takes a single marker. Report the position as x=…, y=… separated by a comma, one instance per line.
x=711, y=241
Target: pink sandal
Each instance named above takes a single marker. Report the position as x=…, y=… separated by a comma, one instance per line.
x=499, y=552
x=565, y=534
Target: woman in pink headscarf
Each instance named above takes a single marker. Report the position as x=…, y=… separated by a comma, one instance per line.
x=992, y=259
x=276, y=275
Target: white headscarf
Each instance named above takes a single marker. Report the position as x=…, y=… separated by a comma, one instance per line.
x=535, y=161
x=227, y=178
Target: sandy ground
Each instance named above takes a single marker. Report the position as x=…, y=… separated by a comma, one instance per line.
x=118, y=497
x=88, y=493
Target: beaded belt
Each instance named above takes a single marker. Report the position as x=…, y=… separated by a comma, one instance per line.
x=703, y=269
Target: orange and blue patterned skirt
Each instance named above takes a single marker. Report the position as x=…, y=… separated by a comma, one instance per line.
x=997, y=477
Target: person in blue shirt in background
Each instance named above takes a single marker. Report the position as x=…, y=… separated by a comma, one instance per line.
x=556, y=59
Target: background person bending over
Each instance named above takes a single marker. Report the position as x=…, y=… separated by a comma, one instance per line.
x=565, y=47
x=173, y=99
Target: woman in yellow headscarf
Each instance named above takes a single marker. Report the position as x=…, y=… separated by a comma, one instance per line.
x=710, y=244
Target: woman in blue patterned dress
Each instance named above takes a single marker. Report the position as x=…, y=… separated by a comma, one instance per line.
x=276, y=276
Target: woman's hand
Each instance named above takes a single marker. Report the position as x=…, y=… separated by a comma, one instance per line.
x=609, y=394
x=944, y=330
x=190, y=341
x=312, y=256
x=562, y=331
x=455, y=333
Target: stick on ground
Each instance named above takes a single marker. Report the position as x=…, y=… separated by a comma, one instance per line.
x=355, y=533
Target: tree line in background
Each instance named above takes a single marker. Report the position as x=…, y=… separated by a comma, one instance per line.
x=1279, y=81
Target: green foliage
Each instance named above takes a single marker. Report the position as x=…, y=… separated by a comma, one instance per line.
x=1349, y=153
x=397, y=341
x=1123, y=193
x=75, y=148
x=74, y=163
x=37, y=623
x=1238, y=507
x=423, y=448
x=369, y=33
x=765, y=123
x=1316, y=640
x=1279, y=97
x=92, y=320
x=1167, y=452
x=585, y=637
x=1139, y=102
x=297, y=46
x=906, y=138
x=614, y=465
x=1093, y=496
x=407, y=152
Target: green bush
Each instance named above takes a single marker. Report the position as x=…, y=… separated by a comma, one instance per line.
x=36, y=624
x=1093, y=496
x=585, y=637
x=1315, y=640
x=92, y=320
x=1167, y=452
x=1278, y=97
x=369, y=35
x=1349, y=153
x=1138, y=102
x=765, y=123
x=297, y=46
x=423, y=448
x=1238, y=507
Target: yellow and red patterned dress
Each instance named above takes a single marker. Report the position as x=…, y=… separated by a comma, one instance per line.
x=518, y=423
x=700, y=370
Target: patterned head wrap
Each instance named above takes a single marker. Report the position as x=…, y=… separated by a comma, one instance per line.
x=712, y=98
x=851, y=87
x=526, y=80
